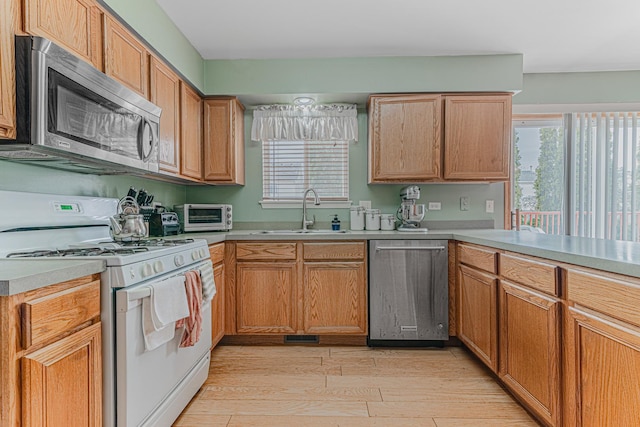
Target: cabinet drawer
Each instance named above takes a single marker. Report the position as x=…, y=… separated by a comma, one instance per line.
x=334, y=250
x=265, y=251
x=53, y=315
x=216, y=253
x=533, y=273
x=611, y=294
x=483, y=259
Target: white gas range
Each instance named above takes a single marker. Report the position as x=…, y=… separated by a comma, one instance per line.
x=140, y=388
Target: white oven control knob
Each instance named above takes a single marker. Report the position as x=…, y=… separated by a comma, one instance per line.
x=178, y=260
x=132, y=273
x=203, y=253
x=158, y=267
x=194, y=255
x=147, y=270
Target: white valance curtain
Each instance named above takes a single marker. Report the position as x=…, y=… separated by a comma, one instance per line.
x=322, y=122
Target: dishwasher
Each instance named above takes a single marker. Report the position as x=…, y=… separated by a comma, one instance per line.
x=408, y=293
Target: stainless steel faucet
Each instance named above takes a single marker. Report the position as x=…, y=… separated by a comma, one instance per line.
x=305, y=221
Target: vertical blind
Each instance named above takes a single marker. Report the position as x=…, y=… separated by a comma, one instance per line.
x=290, y=167
x=606, y=176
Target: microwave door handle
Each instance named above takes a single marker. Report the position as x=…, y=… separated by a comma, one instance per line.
x=141, y=140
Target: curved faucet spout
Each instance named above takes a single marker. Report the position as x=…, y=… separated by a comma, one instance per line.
x=308, y=222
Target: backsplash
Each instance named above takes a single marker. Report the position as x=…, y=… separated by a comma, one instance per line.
x=34, y=179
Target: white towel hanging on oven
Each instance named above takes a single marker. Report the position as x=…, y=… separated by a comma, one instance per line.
x=160, y=311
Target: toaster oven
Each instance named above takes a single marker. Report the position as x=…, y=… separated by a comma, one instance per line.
x=204, y=217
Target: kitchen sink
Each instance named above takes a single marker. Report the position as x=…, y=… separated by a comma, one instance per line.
x=310, y=231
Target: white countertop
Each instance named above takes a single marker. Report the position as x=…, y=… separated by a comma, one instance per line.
x=21, y=275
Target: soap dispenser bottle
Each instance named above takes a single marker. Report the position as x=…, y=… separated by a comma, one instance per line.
x=335, y=223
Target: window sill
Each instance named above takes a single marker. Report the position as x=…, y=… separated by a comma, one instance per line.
x=295, y=204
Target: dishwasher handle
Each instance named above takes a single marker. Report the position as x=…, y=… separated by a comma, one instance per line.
x=410, y=248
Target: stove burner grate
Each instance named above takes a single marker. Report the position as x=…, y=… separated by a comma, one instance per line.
x=93, y=251
x=156, y=242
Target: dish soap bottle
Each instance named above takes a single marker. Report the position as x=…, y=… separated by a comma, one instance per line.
x=335, y=223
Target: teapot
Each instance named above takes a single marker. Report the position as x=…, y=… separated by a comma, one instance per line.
x=129, y=224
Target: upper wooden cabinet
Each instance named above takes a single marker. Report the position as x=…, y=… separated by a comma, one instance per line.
x=73, y=24
x=415, y=138
x=224, y=141
x=9, y=10
x=477, y=137
x=126, y=59
x=191, y=133
x=165, y=93
x=405, y=134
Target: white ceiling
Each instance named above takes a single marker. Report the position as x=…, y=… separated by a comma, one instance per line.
x=553, y=35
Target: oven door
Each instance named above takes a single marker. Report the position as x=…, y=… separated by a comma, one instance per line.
x=153, y=387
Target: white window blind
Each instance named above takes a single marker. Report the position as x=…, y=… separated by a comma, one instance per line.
x=290, y=167
x=606, y=178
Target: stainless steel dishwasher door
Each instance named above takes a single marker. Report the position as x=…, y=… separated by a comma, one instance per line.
x=408, y=290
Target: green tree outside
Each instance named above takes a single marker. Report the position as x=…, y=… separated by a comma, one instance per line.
x=549, y=182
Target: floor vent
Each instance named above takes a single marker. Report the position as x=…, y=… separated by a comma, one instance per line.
x=301, y=339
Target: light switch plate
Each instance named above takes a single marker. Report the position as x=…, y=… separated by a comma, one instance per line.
x=365, y=204
x=434, y=206
x=464, y=203
x=489, y=206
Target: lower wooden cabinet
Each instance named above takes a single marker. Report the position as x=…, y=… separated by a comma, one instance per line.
x=333, y=299
x=51, y=356
x=62, y=382
x=287, y=288
x=216, y=252
x=530, y=349
x=477, y=313
x=602, y=371
x=266, y=298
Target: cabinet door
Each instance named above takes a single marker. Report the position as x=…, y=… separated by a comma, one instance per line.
x=224, y=141
x=335, y=298
x=191, y=135
x=266, y=298
x=165, y=93
x=126, y=59
x=530, y=349
x=62, y=382
x=477, y=315
x=405, y=138
x=73, y=24
x=217, y=306
x=477, y=137
x=602, y=370
x=8, y=13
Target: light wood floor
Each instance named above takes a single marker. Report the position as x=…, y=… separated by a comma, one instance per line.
x=309, y=386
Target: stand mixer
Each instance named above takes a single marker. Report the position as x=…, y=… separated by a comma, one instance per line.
x=410, y=213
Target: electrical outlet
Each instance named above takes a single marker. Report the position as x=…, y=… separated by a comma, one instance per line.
x=435, y=206
x=365, y=204
x=489, y=206
x=464, y=203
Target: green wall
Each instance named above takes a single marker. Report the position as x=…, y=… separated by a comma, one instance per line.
x=580, y=88
x=364, y=75
x=35, y=179
x=386, y=197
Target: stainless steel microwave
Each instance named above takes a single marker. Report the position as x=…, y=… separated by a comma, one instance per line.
x=72, y=116
x=204, y=217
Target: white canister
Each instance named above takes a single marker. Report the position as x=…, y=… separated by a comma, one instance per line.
x=387, y=222
x=372, y=221
x=356, y=220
